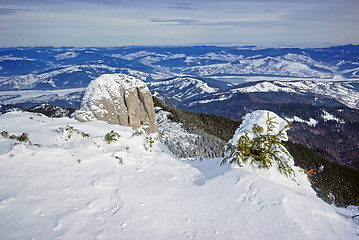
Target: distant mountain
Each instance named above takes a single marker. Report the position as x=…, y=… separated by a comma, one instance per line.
x=181, y=89
x=229, y=82
x=325, y=115
x=195, y=92
x=65, y=67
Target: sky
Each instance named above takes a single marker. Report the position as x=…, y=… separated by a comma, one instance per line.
x=101, y=23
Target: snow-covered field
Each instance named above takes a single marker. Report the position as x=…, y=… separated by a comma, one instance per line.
x=15, y=97
x=78, y=186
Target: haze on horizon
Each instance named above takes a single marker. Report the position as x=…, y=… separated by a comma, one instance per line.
x=178, y=22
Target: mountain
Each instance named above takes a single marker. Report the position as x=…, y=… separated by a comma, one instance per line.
x=296, y=83
x=325, y=114
x=197, y=135
x=292, y=99
x=66, y=67
x=69, y=181
x=181, y=89
x=193, y=92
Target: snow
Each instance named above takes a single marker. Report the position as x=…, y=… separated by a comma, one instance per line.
x=263, y=87
x=280, y=66
x=182, y=87
x=15, y=97
x=108, y=88
x=175, y=56
x=139, y=54
x=220, y=97
x=116, y=55
x=312, y=122
x=66, y=55
x=261, y=119
x=75, y=188
x=11, y=58
x=108, y=85
x=330, y=117
x=342, y=91
x=175, y=132
x=29, y=81
x=222, y=56
x=184, y=82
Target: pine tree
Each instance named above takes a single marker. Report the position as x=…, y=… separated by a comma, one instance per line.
x=264, y=148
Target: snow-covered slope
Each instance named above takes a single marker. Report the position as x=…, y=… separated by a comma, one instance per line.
x=68, y=97
x=75, y=185
x=184, y=88
x=280, y=66
x=63, y=77
x=344, y=92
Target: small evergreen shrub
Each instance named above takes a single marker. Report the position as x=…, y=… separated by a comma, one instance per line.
x=5, y=134
x=85, y=135
x=22, y=138
x=263, y=148
x=149, y=143
x=111, y=137
x=137, y=132
x=69, y=131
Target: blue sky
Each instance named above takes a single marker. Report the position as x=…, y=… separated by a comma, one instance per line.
x=176, y=22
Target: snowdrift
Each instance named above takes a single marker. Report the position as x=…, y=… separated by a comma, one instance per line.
x=69, y=183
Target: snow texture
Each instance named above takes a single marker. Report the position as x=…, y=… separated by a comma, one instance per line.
x=75, y=187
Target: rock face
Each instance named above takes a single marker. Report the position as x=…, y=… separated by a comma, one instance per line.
x=118, y=99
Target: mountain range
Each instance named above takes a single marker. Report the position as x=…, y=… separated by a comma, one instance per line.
x=66, y=67
x=317, y=88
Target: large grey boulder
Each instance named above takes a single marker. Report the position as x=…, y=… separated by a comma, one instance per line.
x=118, y=99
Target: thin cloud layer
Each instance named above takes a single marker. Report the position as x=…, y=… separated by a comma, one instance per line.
x=174, y=22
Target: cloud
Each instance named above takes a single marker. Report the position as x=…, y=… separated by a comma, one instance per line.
x=175, y=21
x=248, y=24
x=149, y=22
x=10, y=11
x=229, y=23
x=183, y=6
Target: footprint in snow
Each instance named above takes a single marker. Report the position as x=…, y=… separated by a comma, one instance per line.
x=6, y=201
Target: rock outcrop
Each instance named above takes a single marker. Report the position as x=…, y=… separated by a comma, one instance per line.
x=118, y=99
